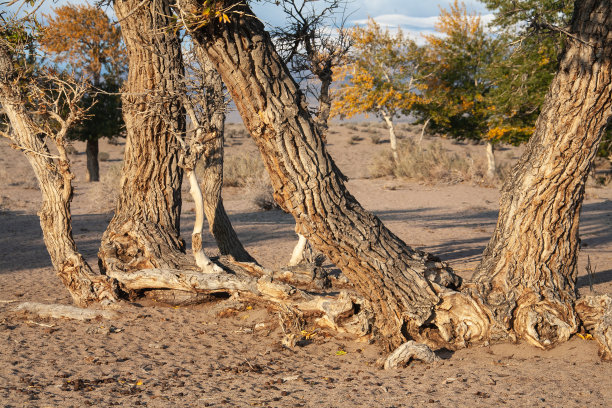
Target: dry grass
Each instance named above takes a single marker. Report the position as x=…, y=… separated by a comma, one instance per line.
x=429, y=163
x=247, y=171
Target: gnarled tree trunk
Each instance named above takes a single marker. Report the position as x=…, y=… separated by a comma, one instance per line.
x=213, y=102
x=396, y=279
x=144, y=232
x=55, y=181
x=527, y=276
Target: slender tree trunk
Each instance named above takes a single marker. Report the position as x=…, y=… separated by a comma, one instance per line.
x=527, y=276
x=490, y=160
x=55, y=181
x=423, y=130
x=392, y=138
x=93, y=167
x=212, y=180
x=144, y=232
x=396, y=279
x=325, y=102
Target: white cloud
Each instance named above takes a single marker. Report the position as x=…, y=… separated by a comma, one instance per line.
x=401, y=20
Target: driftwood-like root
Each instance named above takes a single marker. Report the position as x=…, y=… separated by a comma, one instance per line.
x=55, y=311
x=595, y=312
x=543, y=323
x=411, y=350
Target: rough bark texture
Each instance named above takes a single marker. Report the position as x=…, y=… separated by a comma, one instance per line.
x=54, y=178
x=212, y=178
x=393, y=277
x=528, y=273
x=93, y=167
x=144, y=233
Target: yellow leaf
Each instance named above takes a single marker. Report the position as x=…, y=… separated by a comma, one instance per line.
x=139, y=382
x=340, y=352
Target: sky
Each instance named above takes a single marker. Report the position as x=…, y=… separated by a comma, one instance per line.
x=412, y=16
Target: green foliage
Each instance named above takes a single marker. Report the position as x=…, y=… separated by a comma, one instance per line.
x=521, y=16
x=380, y=76
x=455, y=77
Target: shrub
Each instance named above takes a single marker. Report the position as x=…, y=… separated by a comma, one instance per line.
x=103, y=156
x=239, y=170
x=431, y=163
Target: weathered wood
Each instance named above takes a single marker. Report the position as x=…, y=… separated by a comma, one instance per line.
x=595, y=313
x=55, y=311
x=408, y=351
x=527, y=276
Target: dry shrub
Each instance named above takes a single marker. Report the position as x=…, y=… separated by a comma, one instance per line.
x=431, y=163
x=248, y=171
x=241, y=170
x=107, y=190
x=103, y=156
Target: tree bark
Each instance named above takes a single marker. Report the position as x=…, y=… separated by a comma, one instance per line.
x=55, y=181
x=325, y=102
x=144, y=232
x=93, y=167
x=219, y=223
x=527, y=276
x=396, y=279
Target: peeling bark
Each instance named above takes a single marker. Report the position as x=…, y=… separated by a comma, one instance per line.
x=527, y=276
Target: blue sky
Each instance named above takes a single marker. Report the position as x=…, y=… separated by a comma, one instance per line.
x=413, y=16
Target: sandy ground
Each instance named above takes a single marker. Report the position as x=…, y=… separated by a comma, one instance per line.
x=160, y=356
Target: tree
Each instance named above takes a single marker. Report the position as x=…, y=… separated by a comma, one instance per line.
x=403, y=285
x=82, y=37
x=456, y=84
x=208, y=96
x=527, y=276
x=42, y=118
x=312, y=51
x=145, y=229
x=379, y=77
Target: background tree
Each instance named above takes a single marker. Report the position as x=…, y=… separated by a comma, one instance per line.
x=456, y=85
x=379, y=77
x=314, y=43
x=81, y=38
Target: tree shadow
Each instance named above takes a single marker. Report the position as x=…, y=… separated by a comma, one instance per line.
x=596, y=278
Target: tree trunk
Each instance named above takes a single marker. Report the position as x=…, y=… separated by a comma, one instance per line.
x=93, y=167
x=490, y=160
x=392, y=138
x=325, y=102
x=54, y=178
x=212, y=180
x=527, y=276
x=396, y=279
x=144, y=232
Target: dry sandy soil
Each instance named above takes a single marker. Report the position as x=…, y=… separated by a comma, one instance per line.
x=160, y=356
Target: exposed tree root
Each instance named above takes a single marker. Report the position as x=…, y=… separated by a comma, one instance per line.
x=55, y=311
x=411, y=350
x=595, y=312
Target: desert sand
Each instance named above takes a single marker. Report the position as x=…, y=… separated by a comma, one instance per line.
x=228, y=353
